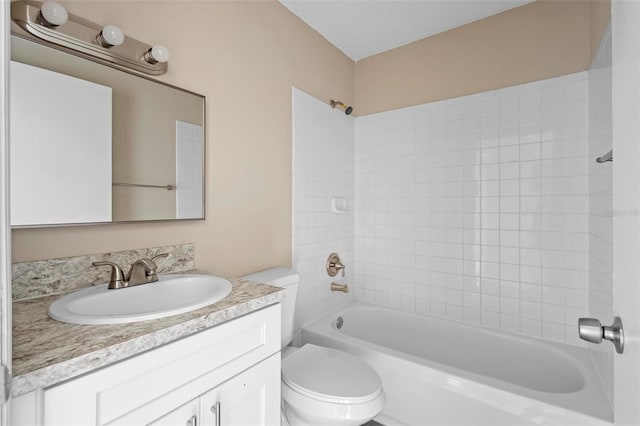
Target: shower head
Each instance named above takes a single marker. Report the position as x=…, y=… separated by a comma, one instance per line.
x=347, y=109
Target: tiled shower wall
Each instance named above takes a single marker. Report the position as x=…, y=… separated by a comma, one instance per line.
x=189, y=154
x=601, y=205
x=476, y=208
x=323, y=149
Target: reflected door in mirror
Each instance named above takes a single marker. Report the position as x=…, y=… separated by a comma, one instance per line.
x=60, y=167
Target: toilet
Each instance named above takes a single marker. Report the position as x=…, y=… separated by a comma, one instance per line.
x=320, y=386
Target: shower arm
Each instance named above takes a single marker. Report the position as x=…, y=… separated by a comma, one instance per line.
x=347, y=109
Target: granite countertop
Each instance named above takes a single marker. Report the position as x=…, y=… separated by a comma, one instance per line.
x=46, y=352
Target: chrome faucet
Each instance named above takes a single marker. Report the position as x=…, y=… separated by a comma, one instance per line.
x=143, y=271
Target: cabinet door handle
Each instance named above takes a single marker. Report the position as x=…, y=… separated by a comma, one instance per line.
x=193, y=421
x=215, y=409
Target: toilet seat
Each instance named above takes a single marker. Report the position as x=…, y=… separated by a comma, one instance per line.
x=329, y=375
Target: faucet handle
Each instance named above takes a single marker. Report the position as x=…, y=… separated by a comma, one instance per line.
x=154, y=268
x=158, y=256
x=334, y=265
x=117, y=276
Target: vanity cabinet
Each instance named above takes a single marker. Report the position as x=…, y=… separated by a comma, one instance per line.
x=241, y=401
x=225, y=375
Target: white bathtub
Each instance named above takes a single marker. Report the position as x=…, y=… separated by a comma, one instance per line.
x=439, y=372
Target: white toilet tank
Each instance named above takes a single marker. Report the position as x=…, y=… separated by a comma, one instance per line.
x=288, y=279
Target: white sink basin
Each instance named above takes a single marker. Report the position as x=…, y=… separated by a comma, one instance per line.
x=170, y=295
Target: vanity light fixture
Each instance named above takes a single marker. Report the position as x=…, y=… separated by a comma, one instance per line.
x=110, y=36
x=158, y=53
x=50, y=24
x=53, y=14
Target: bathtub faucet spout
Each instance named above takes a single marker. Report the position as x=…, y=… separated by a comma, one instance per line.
x=340, y=287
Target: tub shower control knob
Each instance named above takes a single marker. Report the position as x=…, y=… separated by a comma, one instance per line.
x=334, y=265
x=591, y=330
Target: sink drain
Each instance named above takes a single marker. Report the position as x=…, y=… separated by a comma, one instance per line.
x=339, y=323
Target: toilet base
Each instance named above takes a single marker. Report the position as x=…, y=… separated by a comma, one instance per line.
x=298, y=410
x=291, y=418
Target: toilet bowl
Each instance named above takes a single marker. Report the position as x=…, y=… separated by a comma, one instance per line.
x=324, y=386
x=320, y=386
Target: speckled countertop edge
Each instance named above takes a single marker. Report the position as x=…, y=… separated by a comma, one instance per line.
x=46, y=352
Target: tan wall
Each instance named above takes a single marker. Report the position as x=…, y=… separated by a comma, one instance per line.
x=540, y=40
x=144, y=147
x=244, y=57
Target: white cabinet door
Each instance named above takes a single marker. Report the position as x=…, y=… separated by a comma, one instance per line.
x=186, y=415
x=251, y=398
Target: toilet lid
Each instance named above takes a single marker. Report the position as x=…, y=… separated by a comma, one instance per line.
x=330, y=375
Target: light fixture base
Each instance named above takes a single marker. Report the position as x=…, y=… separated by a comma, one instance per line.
x=78, y=36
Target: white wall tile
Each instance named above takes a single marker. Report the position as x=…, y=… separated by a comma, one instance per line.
x=483, y=204
x=323, y=158
x=530, y=327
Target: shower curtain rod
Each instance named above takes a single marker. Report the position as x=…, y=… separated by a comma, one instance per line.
x=167, y=187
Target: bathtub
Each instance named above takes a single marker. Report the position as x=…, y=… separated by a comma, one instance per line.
x=439, y=372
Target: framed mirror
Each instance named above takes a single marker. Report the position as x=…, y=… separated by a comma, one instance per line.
x=94, y=144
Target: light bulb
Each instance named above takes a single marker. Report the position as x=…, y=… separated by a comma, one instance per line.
x=53, y=13
x=157, y=53
x=110, y=36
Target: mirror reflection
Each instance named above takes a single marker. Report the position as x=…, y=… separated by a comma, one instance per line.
x=92, y=144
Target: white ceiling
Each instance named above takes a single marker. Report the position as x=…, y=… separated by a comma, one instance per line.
x=362, y=28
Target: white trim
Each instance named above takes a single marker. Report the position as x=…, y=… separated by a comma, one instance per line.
x=5, y=230
x=625, y=22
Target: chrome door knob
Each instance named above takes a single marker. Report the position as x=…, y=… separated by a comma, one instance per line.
x=591, y=330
